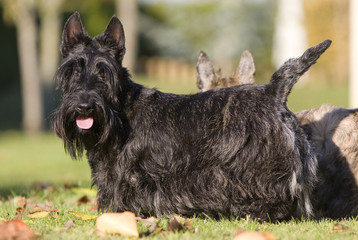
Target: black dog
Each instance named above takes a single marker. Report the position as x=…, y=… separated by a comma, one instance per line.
x=226, y=152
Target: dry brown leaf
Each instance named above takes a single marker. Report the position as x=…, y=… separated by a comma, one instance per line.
x=179, y=223
x=180, y=218
x=22, y=203
x=148, y=221
x=249, y=235
x=16, y=229
x=41, y=211
x=41, y=208
x=189, y=227
x=39, y=214
x=83, y=200
x=118, y=223
x=20, y=210
x=69, y=224
x=81, y=215
x=339, y=228
x=152, y=223
x=174, y=225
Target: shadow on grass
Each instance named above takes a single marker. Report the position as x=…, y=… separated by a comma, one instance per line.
x=28, y=190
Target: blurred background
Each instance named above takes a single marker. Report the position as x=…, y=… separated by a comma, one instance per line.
x=163, y=40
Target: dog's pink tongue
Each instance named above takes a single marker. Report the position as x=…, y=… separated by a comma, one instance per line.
x=84, y=123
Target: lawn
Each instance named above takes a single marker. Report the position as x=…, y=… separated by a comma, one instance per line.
x=65, y=206
x=37, y=160
x=37, y=168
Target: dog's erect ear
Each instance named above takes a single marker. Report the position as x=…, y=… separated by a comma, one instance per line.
x=205, y=72
x=115, y=34
x=246, y=69
x=73, y=34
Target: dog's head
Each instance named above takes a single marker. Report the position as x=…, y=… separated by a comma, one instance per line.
x=90, y=80
x=208, y=78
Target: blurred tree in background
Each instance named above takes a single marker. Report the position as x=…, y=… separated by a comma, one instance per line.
x=22, y=14
x=160, y=34
x=221, y=28
x=329, y=19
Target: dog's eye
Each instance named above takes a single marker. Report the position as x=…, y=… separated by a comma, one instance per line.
x=69, y=72
x=101, y=72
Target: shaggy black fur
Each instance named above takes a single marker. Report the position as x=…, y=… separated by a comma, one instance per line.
x=226, y=152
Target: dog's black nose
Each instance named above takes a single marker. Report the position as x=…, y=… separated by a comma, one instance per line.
x=84, y=107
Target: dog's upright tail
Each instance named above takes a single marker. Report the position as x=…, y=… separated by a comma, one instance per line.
x=287, y=75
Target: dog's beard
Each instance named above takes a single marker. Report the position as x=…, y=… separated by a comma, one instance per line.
x=88, y=130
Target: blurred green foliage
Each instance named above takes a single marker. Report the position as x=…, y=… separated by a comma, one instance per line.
x=94, y=14
x=169, y=29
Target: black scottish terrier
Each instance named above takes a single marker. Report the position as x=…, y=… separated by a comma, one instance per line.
x=229, y=152
x=333, y=135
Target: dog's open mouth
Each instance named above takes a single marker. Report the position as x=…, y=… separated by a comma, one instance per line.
x=84, y=123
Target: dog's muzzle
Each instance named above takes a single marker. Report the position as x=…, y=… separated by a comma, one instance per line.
x=84, y=120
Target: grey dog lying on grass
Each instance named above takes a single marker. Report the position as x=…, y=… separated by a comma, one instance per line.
x=331, y=130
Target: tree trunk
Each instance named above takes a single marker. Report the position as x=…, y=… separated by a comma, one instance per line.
x=50, y=35
x=31, y=87
x=290, y=38
x=127, y=11
x=49, y=39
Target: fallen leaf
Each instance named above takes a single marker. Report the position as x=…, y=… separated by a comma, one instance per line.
x=120, y=223
x=40, y=208
x=20, y=210
x=39, y=214
x=16, y=229
x=174, y=225
x=152, y=223
x=179, y=218
x=81, y=215
x=69, y=224
x=83, y=200
x=2, y=220
x=22, y=202
x=148, y=221
x=339, y=228
x=189, y=227
x=21, y=205
x=249, y=235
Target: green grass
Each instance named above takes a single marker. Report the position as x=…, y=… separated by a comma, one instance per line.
x=53, y=227
x=314, y=96
x=25, y=160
